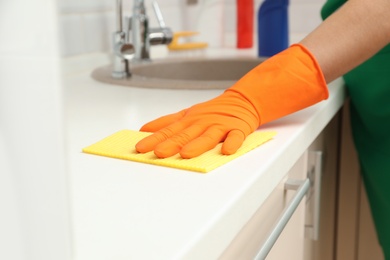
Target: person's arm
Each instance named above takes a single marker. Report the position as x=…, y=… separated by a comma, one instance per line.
x=285, y=83
x=354, y=33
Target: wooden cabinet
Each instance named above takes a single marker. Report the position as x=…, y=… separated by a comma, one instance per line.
x=347, y=231
x=293, y=243
x=356, y=237
x=323, y=248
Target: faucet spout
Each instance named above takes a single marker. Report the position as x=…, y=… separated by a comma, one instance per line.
x=119, y=26
x=133, y=44
x=140, y=31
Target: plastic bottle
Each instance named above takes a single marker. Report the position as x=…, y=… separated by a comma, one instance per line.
x=272, y=26
x=245, y=13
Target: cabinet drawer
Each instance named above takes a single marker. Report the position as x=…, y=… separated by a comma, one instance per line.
x=291, y=241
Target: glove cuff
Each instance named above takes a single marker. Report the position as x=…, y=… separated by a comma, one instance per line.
x=285, y=83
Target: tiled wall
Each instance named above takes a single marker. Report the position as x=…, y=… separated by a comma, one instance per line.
x=86, y=26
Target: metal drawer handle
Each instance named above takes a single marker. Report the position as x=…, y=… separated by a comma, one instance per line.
x=301, y=186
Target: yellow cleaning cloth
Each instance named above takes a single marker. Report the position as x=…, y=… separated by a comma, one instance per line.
x=121, y=145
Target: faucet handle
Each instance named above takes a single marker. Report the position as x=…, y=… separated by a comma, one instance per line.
x=159, y=15
x=162, y=35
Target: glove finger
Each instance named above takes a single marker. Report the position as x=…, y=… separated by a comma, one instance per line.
x=233, y=141
x=207, y=141
x=162, y=122
x=148, y=143
x=174, y=144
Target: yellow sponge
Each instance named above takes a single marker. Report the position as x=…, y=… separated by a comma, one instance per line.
x=121, y=145
x=176, y=45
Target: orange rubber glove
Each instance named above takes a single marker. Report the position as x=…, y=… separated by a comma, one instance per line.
x=281, y=85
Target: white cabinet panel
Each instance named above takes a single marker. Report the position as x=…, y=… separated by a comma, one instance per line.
x=252, y=236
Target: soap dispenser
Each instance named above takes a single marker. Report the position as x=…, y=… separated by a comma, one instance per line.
x=272, y=27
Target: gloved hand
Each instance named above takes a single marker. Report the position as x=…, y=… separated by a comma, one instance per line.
x=283, y=84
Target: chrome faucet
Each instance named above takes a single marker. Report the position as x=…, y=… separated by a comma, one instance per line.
x=132, y=44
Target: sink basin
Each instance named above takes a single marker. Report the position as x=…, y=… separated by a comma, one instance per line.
x=202, y=73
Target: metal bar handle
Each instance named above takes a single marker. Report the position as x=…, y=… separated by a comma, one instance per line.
x=302, y=186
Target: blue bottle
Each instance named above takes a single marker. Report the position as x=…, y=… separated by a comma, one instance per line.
x=272, y=27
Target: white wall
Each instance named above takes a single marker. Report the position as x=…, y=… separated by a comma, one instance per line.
x=33, y=192
x=86, y=26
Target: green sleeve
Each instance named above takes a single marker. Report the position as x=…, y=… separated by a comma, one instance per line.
x=330, y=6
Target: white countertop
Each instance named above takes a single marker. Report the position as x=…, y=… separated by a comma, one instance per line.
x=129, y=210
